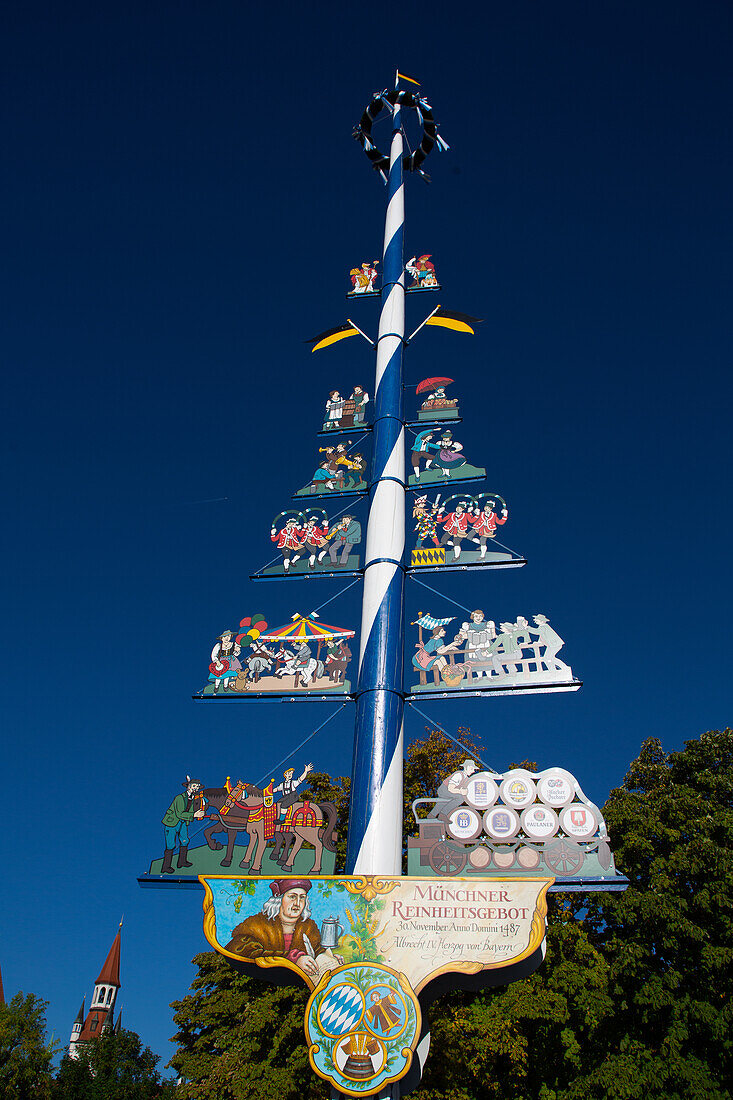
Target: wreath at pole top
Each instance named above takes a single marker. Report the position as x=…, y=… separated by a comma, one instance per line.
x=411, y=162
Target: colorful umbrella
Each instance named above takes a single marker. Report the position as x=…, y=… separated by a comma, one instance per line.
x=304, y=628
x=431, y=384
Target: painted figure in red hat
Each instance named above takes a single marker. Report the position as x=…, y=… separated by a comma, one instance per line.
x=283, y=928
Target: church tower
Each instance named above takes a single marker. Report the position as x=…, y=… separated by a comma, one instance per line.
x=101, y=1010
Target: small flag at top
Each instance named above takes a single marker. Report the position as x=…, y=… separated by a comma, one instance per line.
x=332, y=336
x=449, y=318
x=409, y=79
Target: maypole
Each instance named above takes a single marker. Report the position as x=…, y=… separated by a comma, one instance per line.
x=489, y=845
x=375, y=822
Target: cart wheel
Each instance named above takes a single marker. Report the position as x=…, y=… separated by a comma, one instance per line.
x=564, y=857
x=447, y=860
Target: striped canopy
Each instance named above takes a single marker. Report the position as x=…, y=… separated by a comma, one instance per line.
x=304, y=629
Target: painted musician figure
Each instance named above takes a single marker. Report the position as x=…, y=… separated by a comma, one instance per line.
x=185, y=808
x=284, y=929
x=344, y=537
x=485, y=522
x=351, y=468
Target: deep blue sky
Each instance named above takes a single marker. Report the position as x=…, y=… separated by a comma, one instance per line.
x=182, y=201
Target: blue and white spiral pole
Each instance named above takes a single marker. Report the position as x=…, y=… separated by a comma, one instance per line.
x=375, y=816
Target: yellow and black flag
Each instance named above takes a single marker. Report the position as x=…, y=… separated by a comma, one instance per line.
x=449, y=318
x=333, y=335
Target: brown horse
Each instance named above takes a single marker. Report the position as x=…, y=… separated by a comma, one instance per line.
x=246, y=816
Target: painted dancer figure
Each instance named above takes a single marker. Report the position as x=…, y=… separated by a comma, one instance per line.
x=289, y=541
x=421, y=449
x=484, y=524
x=345, y=536
x=449, y=455
x=455, y=528
x=315, y=539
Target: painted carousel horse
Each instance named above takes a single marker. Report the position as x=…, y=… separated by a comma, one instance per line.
x=337, y=662
x=244, y=810
x=303, y=668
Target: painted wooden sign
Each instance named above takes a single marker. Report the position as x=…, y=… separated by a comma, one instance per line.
x=339, y=471
x=437, y=458
x=436, y=405
x=266, y=829
x=367, y=946
x=308, y=542
x=342, y=413
x=304, y=656
x=510, y=825
x=421, y=270
x=474, y=656
x=363, y=279
x=457, y=529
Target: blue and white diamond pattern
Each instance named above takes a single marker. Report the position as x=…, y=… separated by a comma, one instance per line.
x=341, y=1010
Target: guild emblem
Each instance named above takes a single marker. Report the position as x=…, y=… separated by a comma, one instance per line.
x=578, y=818
x=362, y=1024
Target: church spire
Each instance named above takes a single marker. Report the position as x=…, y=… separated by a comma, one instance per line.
x=110, y=972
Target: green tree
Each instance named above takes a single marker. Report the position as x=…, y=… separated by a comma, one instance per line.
x=114, y=1067
x=668, y=940
x=239, y=1039
x=25, y=1055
